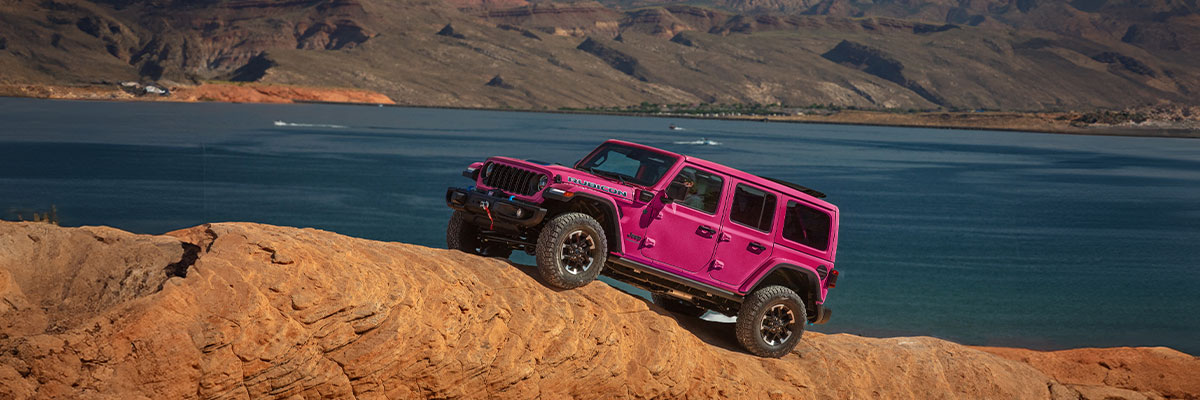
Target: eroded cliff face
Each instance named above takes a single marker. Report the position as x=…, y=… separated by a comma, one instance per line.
x=238, y=310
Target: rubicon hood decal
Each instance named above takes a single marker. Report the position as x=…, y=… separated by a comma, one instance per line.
x=598, y=186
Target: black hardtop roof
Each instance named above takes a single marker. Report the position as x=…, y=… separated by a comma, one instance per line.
x=816, y=195
x=804, y=189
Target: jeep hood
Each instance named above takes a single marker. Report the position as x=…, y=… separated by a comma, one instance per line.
x=563, y=176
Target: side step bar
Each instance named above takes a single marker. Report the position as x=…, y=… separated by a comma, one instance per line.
x=652, y=279
x=707, y=296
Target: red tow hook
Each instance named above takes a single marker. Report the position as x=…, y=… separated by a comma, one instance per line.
x=491, y=222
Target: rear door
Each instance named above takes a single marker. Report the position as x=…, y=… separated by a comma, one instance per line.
x=745, y=239
x=684, y=233
x=808, y=229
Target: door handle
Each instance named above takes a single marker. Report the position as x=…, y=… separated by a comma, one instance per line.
x=706, y=230
x=717, y=264
x=756, y=247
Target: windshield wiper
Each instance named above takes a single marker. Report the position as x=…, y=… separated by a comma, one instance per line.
x=603, y=173
x=598, y=172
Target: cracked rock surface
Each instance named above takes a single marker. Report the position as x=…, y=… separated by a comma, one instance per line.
x=239, y=310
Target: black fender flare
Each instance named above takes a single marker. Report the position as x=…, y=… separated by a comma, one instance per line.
x=613, y=230
x=810, y=294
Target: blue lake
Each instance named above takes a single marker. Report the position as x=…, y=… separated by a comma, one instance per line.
x=988, y=238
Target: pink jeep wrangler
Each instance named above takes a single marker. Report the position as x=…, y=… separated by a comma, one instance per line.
x=698, y=235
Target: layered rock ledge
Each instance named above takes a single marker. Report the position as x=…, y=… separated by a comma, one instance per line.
x=239, y=310
x=220, y=92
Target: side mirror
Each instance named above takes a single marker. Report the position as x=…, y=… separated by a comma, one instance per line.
x=645, y=195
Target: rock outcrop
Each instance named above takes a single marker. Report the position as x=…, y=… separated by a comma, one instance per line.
x=239, y=310
x=1122, y=372
x=225, y=92
x=875, y=62
x=266, y=93
x=616, y=59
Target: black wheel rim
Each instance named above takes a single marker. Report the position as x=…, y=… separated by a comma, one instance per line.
x=576, y=254
x=777, y=325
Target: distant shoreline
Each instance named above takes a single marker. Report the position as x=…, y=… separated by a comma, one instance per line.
x=923, y=120
x=1034, y=122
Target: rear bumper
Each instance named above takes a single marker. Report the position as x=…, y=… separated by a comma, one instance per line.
x=506, y=213
x=823, y=314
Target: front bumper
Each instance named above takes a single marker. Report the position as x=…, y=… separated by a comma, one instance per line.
x=506, y=213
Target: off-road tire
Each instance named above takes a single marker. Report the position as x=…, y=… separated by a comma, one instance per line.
x=752, y=317
x=552, y=267
x=463, y=236
x=677, y=306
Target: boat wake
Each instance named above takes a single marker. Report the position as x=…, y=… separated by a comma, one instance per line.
x=302, y=125
x=701, y=142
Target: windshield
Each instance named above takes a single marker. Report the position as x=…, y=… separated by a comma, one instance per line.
x=628, y=164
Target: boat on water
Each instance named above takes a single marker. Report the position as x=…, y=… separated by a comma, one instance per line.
x=701, y=142
x=674, y=127
x=304, y=125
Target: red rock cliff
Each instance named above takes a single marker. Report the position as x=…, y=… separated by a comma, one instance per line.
x=239, y=310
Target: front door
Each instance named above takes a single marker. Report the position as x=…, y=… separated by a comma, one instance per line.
x=745, y=240
x=684, y=233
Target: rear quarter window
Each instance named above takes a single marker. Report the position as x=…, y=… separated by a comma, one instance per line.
x=806, y=225
x=753, y=207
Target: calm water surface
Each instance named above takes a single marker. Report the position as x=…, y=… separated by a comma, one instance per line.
x=990, y=238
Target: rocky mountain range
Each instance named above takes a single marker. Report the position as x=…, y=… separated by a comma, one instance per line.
x=894, y=54
x=241, y=310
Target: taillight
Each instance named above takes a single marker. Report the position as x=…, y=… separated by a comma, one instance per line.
x=832, y=282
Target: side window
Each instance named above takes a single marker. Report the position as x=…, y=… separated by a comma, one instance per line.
x=806, y=225
x=753, y=207
x=697, y=189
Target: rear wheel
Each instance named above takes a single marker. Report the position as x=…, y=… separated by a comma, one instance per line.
x=771, y=321
x=677, y=306
x=571, y=250
x=464, y=236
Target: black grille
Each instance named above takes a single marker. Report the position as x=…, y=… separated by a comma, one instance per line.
x=513, y=180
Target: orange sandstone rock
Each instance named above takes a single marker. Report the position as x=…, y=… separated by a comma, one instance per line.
x=266, y=93
x=1154, y=371
x=226, y=92
x=239, y=310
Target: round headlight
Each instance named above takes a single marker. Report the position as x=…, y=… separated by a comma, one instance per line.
x=487, y=169
x=543, y=182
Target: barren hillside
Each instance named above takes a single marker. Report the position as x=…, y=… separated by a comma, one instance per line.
x=947, y=54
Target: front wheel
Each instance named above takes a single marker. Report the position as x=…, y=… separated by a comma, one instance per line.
x=463, y=236
x=571, y=250
x=770, y=322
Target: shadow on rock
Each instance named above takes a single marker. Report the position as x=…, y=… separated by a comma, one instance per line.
x=718, y=334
